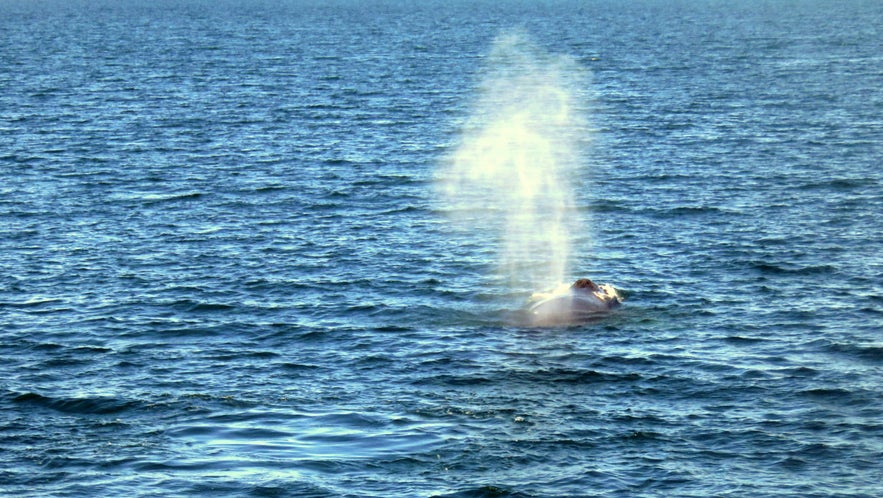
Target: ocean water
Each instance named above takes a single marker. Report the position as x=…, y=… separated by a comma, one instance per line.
x=226, y=270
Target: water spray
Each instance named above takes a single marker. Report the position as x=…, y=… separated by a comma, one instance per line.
x=519, y=148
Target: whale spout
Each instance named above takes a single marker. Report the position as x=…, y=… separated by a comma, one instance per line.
x=579, y=302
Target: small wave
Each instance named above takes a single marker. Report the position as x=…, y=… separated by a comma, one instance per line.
x=193, y=331
x=198, y=306
x=336, y=161
x=375, y=361
x=693, y=210
x=393, y=328
x=33, y=302
x=840, y=184
x=299, y=367
x=160, y=198
x=389, y=179
x=337, y=194
x=269, y=188
x=554, y=375
x=403, y=210
x=487, y=491
x=872, y=352
x=637, y=436
x=210, y=307
x=871, y=311
x=738, y=339
x=48, y=346
x=774, y=241
x=83, y=406
x=325, y=206
x=368, y=308
x=784, y=269
x=609, y=206
x=802, y=371
x=455, y=380
x=238, y=355
x=92, y=349
x=827, y=393
x=629, y=360
x=581, y=376
x=682, y=211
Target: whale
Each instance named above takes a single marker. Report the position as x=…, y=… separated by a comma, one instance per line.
x=582, y=301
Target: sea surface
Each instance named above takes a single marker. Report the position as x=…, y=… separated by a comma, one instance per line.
x=225, y=269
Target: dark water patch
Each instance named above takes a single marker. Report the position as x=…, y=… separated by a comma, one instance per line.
x=394, y=329
x=375, y=361
x=48, y=346
x=871, y=311
x=317, y=335
x=640, y=437
x=230, y=435
x=680, y=211
x=91, y=350
x=609, y=206
x=841, y=184
x=327, y=207
x=827, y=393
x=300, y=367
x=391, y=180
x=79, y=406
x=577, y=376
x=282, y=489
x=455, y=380
x=738, y=339
x=405, y=210
x=271, y=189
x=771, y=268
x=281, y=486
x=801, y=371
x=869, y=352
x=65, y=362
x=183, y=466
x=125, y=365
x=485, y=491
x=751, y=375
x=243, y=355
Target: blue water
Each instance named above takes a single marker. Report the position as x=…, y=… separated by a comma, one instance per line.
x=225, y=271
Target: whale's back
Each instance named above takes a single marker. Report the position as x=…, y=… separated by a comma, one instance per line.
x=572, y=307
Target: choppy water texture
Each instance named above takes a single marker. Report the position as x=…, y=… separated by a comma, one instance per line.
x=224, y=269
